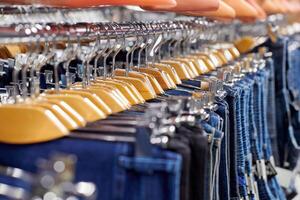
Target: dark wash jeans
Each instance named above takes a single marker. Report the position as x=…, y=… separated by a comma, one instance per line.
x=232, y=99
x=224, y=187
x=212, y=160
x=293, y=83
x=260, y=143
x=112, y=166
x=201, y=160
x=285, y=130
x=271, y=112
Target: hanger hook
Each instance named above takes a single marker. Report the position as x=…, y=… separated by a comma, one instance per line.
x=100, y=51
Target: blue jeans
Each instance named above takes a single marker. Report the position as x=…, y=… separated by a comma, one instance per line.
x=285, y=130
x=112, y=166
x=215, y=139
x=271, y=111
x=293, y=70
x=224, y=189
x=257, y=144
x=232, y=100
x=245, y=134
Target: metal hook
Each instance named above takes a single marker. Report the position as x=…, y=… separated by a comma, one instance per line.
x=32, y=54
x=128, y=53
x=100, y=51
x=107, y=55
x=118, y=49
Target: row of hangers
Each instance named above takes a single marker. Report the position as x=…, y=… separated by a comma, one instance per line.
x=245, y=10
x=173, y=52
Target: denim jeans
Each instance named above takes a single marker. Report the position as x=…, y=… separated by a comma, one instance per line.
x=285, y=130
x=268, y=108
x=112, y=166
x=259, y=98
x=215, y=140
x=293, y=70
x=217, y=123
x=245, y=124
x=201, y=162
x=182, y=147
x=224, y=189
x=271, y=111
x=232, y=100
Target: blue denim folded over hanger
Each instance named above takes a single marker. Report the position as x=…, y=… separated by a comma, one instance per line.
x=112, y=166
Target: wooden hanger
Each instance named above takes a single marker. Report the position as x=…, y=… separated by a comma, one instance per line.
x=288, y=6
x=68, y=116
x=34, y=123
x=64, y=117
x=168, y=69
x=92, y=3
x=187, y=5
x=100, y=108
x=242, y=9
x=224, y=11
x=211, y=61
x=157, y=78
x=181, y=69
x=110, y=95
x=84, y=106
x=269, y=6
x=126, y=89
x=68, y=111
x=79, y=109
x=162, y=77
x=261, y=13
x=170, y=72
x=141, y=83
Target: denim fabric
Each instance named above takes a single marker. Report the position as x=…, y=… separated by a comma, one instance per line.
x=195, y=83
x=232, y=99
x=259, y=99
x=216, y=123
x=268, y=103
x=201, y=160
x=245, y=101
x=285, y=131
x=217, y=153
x=178, y=93
x=215, y=138
x=211, y=159
x=112, y=166
x=224, y=189
x=267, y=151
x=241, y=142
x=181, y=146
x=16, y=182
x=293, y=70
x=271, y=110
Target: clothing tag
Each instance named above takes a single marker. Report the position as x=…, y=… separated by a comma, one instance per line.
x=261, y=171
x=256, y=191
x=49, y=76
x=284, y=177
x=3, y=97
x=270, y=169
x=250, y=184
x=297, y=183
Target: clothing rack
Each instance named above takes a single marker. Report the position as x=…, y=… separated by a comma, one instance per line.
x=147, y=102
